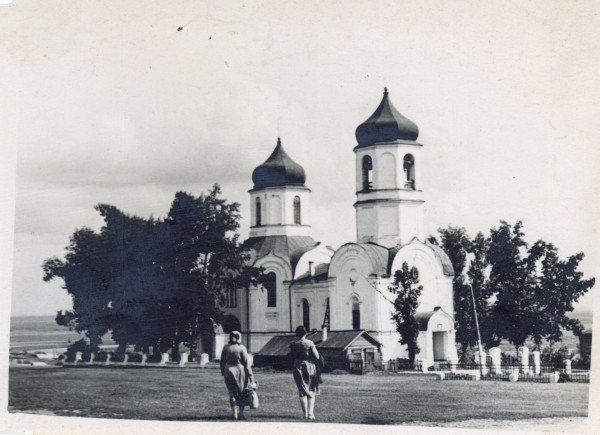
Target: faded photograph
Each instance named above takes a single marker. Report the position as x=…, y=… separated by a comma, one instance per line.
x=380, y=215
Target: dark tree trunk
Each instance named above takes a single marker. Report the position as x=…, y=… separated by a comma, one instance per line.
x=175, y=351
x=411, y=356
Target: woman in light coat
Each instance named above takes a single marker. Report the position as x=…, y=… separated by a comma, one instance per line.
x=236, y=370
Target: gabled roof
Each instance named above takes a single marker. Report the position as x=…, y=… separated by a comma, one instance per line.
x=386, y=124
x=341, y=339
x=279, y=345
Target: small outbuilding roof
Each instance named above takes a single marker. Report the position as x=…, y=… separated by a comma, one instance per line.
x=279, y=345
x=341, y=339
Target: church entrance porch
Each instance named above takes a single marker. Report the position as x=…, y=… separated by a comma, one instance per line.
x=436, y=338
x=440, y=346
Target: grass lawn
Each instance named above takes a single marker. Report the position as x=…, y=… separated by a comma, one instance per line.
x=200, y=395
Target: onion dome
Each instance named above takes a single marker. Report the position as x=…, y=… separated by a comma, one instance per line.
x=386, y=125
x=278, y=170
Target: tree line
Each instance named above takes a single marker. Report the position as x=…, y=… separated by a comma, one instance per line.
x=154, y=282
x=162, y=282
x=518, y=291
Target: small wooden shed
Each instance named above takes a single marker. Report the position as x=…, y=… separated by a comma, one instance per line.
x=354, y=350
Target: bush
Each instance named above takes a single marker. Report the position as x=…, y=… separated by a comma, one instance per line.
x=80, y=346
x=556, y=357
x=467, y=356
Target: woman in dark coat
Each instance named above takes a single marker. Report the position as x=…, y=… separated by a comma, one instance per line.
x=236, y=370
x=305, y=357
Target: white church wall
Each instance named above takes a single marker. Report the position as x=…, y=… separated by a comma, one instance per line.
x=437, y=287
x=289, y=193
x=388, y=221
x=366, y=223
x=388, y=164
x=387, y=171
x=411, y=222
x=316, y=294
x=355, y=272
x=385, y=306
x=277, y=211
x=262, y=317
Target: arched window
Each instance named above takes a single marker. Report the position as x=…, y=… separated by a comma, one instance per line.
x=367, y=171
x=297, y=219
x=258, y=213
x=231, y=298
x=271, y=287
x=409, y=172
x=306, y=314
x=355, y=312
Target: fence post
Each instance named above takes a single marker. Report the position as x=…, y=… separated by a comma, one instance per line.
x=524, y=359
x=536, y=361
x=568, y=366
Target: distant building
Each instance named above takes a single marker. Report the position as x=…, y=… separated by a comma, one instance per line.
x=310, y=283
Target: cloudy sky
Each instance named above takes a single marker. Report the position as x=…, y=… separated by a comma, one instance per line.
x=128, y=102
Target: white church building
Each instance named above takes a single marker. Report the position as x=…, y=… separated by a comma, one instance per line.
x=312, y=284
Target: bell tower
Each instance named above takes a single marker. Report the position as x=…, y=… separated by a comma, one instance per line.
x=389, y=195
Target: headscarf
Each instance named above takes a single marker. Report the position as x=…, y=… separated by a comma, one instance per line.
x=234, y=337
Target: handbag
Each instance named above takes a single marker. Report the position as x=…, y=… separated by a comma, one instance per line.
x=249, y=396
x=253, y=400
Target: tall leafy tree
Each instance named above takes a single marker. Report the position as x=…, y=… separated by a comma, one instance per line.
x=83, y=272
x=205, y=259
x=471, y=293
x=534, y=290
x=407, y=290
x=521, y=292
x=155, y=282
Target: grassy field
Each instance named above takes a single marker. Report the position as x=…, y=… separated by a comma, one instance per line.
x=200, y=395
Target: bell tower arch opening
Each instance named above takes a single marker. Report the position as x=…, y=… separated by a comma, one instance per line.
x=409, y=172
x=367, y=173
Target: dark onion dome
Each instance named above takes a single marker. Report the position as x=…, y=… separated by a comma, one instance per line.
x=386, y=125
x=278, y=170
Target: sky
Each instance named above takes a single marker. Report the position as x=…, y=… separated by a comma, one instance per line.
x=126, y=103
